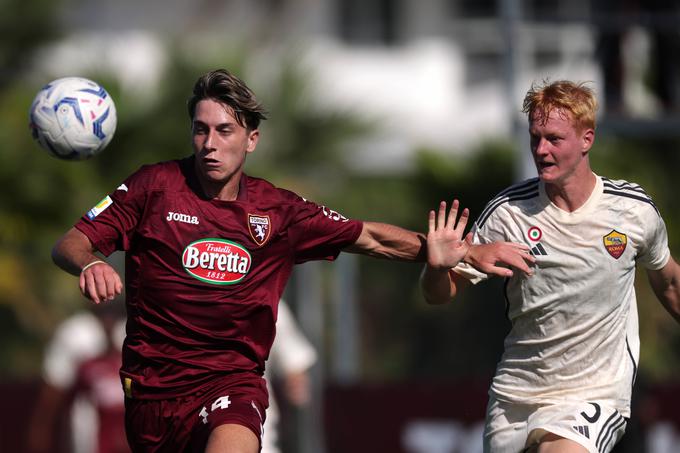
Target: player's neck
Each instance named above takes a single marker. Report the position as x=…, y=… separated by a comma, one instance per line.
x=573, y=193
x=225, y=191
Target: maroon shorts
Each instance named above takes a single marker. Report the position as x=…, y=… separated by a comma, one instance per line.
x=184, y=424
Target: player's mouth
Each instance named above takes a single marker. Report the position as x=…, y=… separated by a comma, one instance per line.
x=211, y=163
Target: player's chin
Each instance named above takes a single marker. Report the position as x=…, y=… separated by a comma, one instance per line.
x=547, y=174
x=213, y=173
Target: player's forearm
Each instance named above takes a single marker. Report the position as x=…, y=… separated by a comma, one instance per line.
x=671, y=298
x=671, y=295
x=73, y=252
x=382, y=240
x=666, y=286
x=437, y=286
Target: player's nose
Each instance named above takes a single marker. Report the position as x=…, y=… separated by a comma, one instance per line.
x=209, y=141
x=540, y=147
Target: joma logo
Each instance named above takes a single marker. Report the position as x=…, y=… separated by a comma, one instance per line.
x=184, y=218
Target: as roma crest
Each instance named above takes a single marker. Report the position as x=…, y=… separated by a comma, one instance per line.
x=259, y=227
x=615, y=243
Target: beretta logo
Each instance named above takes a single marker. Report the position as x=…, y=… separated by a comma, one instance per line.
x=216, y=261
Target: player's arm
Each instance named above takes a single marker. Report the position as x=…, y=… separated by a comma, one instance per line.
x=75, y=254
x=440, y=286
x=666, y=285
x=382, y=240
x=388, y=241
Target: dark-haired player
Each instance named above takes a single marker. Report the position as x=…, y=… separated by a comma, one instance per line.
x=208, y=252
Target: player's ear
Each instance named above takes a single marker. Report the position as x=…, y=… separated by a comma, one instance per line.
x=253, y=137
x=587, y=139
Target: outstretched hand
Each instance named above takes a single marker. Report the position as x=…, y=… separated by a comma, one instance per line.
x=446, y=245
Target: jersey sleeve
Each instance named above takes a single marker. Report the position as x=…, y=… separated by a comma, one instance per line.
x=110, y=224
x=320, y=233
x=654, y=252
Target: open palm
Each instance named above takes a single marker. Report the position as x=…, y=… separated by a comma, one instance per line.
x=446, y=245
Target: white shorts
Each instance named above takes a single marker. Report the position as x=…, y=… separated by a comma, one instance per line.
x=511, y=428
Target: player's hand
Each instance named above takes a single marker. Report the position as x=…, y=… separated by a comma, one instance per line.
x=446, y=246
x=100, y=282
x=492, y=258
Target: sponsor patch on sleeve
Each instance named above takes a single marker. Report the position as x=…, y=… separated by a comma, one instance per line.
x=99, y=207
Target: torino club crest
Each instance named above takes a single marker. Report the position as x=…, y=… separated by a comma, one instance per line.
x=259, y=227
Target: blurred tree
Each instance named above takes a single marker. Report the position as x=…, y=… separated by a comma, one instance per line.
x=302, y=147
x=23, y=27
x=403, y=337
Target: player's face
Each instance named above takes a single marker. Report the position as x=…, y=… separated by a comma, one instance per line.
x=220, y=143
x=559, y=149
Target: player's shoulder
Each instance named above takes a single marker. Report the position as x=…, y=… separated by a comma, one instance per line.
x=160, y=175
x=160, y=171
x=264, y=191
x=517, y=194
x=629, y=193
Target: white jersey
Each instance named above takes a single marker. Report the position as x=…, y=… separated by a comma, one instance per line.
x=574, y=332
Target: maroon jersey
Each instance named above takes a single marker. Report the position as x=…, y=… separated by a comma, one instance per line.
x=204, y=276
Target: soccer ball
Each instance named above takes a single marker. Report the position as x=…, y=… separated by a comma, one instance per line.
x=73, y=118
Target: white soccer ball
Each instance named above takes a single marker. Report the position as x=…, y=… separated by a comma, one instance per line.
x=73, y=118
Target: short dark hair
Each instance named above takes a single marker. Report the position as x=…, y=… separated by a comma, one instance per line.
x=224, y=87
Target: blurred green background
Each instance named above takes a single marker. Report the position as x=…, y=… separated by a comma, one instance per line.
x=302, y=148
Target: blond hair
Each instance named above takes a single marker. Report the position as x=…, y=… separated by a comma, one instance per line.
x=566, y=96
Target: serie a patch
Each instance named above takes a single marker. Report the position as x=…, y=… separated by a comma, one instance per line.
x=99, y=207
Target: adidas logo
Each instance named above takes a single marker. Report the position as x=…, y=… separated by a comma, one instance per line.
x=538, y=250
x=583, y=430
